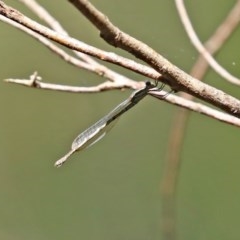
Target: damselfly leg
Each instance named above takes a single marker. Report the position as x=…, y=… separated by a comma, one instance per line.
x=159, y=89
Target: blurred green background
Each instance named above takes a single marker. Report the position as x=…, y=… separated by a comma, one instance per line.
x=112, y=190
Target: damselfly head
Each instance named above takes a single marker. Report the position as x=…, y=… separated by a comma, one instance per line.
x=154, y=86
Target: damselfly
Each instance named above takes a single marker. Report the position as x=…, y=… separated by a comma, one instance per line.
x=98, y=130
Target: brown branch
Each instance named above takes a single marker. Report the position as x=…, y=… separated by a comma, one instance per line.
x=173, y=76
x=75, y=44
x=119, y=81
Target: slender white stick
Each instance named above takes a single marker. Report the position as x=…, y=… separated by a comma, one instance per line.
x=199, y=46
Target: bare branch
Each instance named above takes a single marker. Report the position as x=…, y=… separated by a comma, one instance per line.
x=75, y=44
x=98, y=69
x=51, y=46
x=197, y=107
x=88, y=61
x=43, y=14
x=198, y=45
x=173, y=76
x=35, y=82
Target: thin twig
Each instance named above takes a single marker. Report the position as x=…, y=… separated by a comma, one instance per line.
x=43, y=14
x=197, y=107
x=198, y=45
x=74, y=61
x=35, y=82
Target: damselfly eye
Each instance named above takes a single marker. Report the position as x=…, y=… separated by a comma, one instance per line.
x=148, y=83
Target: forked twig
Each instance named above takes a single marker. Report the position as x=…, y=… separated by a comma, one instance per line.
x=173, y=76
